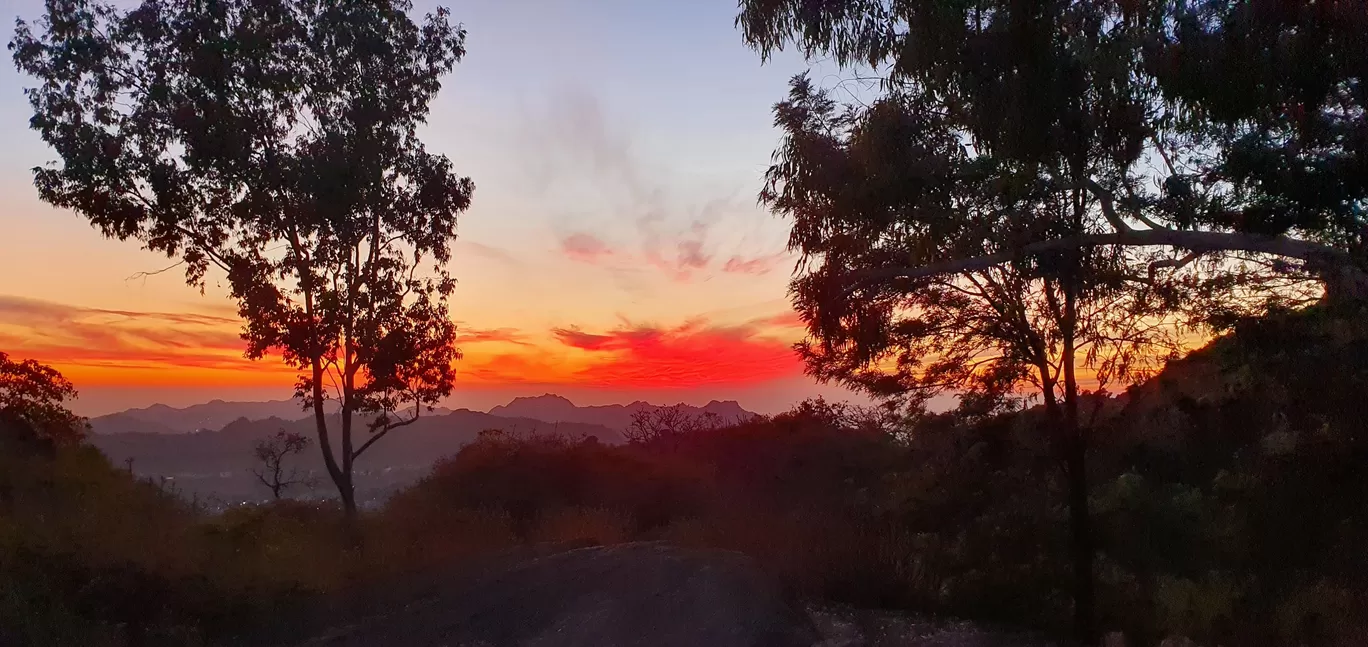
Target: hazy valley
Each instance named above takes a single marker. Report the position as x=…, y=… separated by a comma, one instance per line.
x=204, y=452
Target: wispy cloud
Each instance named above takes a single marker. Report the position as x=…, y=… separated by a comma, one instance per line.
x=756, y=265
x=482, y=250
x=585, y=248
x=492, y=335
x=70, y=335
x=587, y=157
x=22, y=308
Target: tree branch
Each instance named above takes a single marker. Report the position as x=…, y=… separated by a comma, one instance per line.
x=1322, y=259
x=1108, y=206
x=144, y=275
x=1175, y=263
x=381, y=434
x=1140, y=215
x=262, y=478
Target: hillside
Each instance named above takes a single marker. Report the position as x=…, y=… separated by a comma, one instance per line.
x=206, y=449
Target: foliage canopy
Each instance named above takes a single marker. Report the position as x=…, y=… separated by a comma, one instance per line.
x=277, y=142
x=34, y=395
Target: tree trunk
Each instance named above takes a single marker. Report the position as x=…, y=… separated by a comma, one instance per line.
x=342, y=479
x=1075, y=457
x=1080, y=525
x=349, y=492
x=275, y=478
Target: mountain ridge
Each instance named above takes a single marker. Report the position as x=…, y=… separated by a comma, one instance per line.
x=550, y=408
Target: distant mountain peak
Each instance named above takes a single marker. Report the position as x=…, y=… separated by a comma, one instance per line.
x=545, y=397
x=555, y=408
x=215, y=414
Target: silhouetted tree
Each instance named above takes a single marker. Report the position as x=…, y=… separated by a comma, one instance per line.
x=278, y=142
x=33, y=399
x=664, y=425
x=271, y=452
x=1003, y=210
x=34, y=420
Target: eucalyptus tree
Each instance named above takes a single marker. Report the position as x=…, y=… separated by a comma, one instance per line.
x=1043, y=186
x=274, y=144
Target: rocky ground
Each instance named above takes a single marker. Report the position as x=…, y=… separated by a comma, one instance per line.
x=846, y=627
x=629, y=595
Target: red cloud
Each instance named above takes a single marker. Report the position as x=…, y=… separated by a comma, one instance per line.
x=689, y=355
x=585, y=248
x=573, y=337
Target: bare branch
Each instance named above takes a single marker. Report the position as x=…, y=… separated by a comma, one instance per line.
x=384, y=429
x=262, y=477
x=1162, y=154
x=143, y=275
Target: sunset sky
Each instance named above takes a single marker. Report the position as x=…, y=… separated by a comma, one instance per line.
x=614, y=250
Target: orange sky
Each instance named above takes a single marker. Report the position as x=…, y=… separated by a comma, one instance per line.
x=614, y=249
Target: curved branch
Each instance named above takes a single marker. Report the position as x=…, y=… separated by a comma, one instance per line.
x=379, y=432
x=1175, y=263
x=1108, y=202
x=1108, y=206
x=1333, y=264
x=143, y=275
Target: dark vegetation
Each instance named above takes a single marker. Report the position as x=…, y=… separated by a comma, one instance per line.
x=1038, y=192
x=1044, y=189
x=1227, y=494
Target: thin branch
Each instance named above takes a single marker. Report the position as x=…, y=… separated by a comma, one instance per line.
x=144, y=275
x=208, y=250
x=1163, y=155
x=1140, y=214
x=1175, y=263
x=1324, y=257
x=384, y=430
